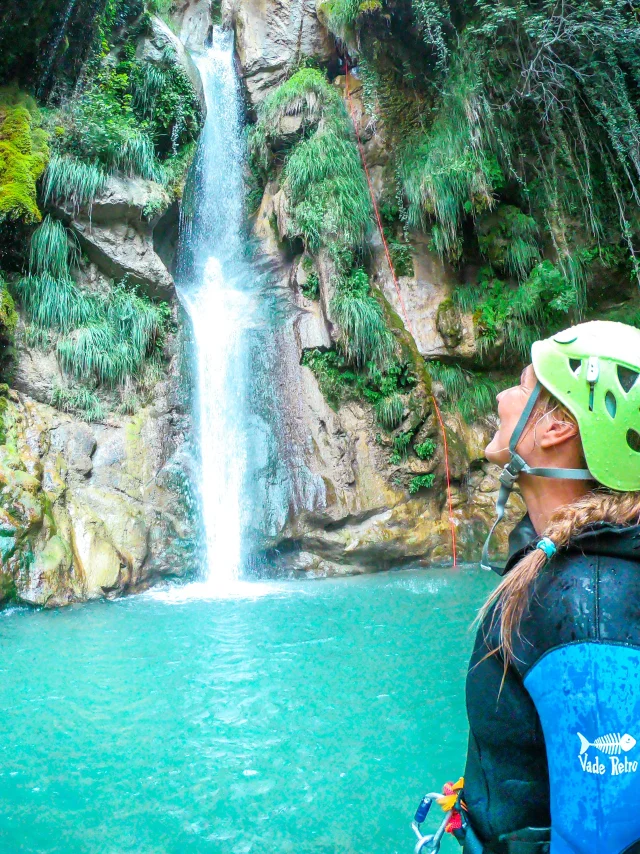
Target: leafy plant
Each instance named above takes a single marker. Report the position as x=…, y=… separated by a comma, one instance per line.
x=425, y=450
x=508, y=239
x=421, y=481
x=328, y=368
x=401, y=445
x=311, y=288
x=517, y=316
x=339, y=381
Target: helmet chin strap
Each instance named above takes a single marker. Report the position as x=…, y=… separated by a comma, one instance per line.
x=514, y=468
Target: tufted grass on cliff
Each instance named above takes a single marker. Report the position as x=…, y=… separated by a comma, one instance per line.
x=342, y=15
x=473, y=395
x=53, y=249
x=453, y=170
x=322, y=175
x=364, y=335
x=389, y=411
x=307, y=94
x=54, y=303
x=69, y=179
x=79, y=401
x=115, y=343
x=105, y=338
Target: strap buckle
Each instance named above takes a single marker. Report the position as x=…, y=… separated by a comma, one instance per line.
x=512, y=470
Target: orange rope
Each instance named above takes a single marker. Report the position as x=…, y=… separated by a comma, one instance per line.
x=452, y=523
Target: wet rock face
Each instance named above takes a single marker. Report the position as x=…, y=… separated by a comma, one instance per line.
x=85, y=510
x=362, y=518
x=272, y=37
x=193, y=22
x=116, y=233
x=101, y=509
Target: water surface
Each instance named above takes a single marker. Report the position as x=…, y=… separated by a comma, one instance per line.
x=309, y=717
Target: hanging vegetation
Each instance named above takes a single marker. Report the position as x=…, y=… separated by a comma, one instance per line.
x=133, y=117
x=516, y=133
x=322, y=174
x=99, y=339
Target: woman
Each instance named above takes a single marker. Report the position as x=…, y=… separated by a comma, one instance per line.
x=553, y=689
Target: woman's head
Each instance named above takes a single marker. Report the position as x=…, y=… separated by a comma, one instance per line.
x=550, y=438
x=575, y=414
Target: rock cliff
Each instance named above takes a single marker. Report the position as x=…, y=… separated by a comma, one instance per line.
x=367, y=518
x=95, y=473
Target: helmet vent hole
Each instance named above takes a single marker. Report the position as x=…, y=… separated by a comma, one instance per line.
x=610, y=403
x=627, y=377
x=633, y=440
x=575, y=365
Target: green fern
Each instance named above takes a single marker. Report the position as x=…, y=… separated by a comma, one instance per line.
x=421, y=481
x=425, y=450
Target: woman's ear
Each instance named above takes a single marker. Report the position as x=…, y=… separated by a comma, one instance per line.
x=555, y=432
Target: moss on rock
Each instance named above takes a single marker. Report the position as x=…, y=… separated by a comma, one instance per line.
x=23, y=156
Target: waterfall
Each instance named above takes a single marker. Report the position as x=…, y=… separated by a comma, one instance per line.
x=214, y=284
x=251, y=475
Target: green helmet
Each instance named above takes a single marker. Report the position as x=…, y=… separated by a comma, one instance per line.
x=593, y=370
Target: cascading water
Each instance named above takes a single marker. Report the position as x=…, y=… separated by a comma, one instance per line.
x=212, y=282
x=250, y=473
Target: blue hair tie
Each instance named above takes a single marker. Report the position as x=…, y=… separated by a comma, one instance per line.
x=548, y=547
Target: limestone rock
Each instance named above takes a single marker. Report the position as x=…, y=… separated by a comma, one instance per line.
x=78, y=503
x=117, y=234
x=123, y=250
x=193, y=19
x=152, y=50
x=128, y=200
x=272, y=37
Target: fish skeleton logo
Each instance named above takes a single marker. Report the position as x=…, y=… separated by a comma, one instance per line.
x=611, y=744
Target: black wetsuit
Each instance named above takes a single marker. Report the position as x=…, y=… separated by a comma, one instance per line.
x=555, y=744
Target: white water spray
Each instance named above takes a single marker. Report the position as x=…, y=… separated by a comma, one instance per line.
x=214, y=284
x=251, y=473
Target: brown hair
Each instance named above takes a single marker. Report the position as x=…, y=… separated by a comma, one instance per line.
x=511, y=597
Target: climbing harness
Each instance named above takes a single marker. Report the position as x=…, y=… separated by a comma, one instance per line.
x=445, y=446
x=452, y=822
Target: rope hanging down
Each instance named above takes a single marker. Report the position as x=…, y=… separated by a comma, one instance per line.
x=407, y=322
